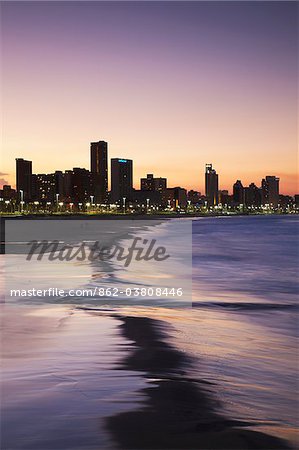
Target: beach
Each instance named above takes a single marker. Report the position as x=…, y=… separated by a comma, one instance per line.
x=89, y=379
x=220, y=373
x=60, y=379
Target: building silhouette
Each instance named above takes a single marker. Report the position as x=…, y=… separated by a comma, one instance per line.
x=152, y=184
x=8, y=193
x=99, y=170
x=82, y=185
x=270, y=191
x=238, y=193
x=24, y=178
x=223, y=197
x=211, y=185
x=121, y=179
x=147, y=184
x=43, y=187
x=194, y=197
x=176, y=197
x=252, y=195
x=48, y=187
x=287, y=201
x=59, y=184
x=80, y=188
x=144, y=199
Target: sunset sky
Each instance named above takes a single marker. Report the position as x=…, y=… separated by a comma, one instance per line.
x=172, y=85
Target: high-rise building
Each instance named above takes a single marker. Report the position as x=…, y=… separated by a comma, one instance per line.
x=270, y=191
x=81, y=185
x=47, y=187
x=211, y=185
x=286, y=201
x=99, y=170
x=147, y=184
x=252, y=195
x=68, y=186
x=8, y=193
x=194, y=197
x=144, y=199
x=160, y=185
x=238, y=192
x=121, y=179
x=59, y=184
x=23, y=178
x=223, y=197
x=150, y=183
x=177, y=197
x=154, y=185
x=44, y=187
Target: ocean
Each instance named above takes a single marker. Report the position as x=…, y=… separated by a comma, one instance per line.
x=244, y=331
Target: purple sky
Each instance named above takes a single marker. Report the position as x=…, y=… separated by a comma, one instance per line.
x=172, y=85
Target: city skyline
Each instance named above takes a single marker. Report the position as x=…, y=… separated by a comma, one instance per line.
x=172, y=86
x=136, y=180
x=80, y=185
x=108, y=170
x=81, y=190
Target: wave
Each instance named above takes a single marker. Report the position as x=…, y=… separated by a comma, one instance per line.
x=246, y=306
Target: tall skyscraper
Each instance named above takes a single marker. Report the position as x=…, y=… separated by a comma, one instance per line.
x=99, y=170
x=23, y=178
x=211, y=185
x=121, y=179
x=270, y=191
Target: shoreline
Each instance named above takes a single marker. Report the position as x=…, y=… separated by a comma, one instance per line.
x=162, y=216
x=179, y=412
x=156, y=404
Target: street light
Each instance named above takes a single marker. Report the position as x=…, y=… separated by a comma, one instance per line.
x=57, y=201
x=7, y=203
x=22, y=199
x=124, y=204
x=36, y=203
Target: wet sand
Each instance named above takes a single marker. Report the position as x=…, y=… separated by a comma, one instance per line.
x=179, y=412
x=94, y=379
x=59, y=379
